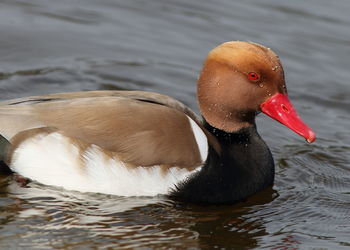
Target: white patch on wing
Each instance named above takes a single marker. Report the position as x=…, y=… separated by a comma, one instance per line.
x=201, y=139
x=52, y=160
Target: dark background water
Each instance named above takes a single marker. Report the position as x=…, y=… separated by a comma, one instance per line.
x=159, y=45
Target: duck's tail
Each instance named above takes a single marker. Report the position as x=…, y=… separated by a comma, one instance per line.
x=4, y=145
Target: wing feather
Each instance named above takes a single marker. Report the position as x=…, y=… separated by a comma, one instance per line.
x=142, y=128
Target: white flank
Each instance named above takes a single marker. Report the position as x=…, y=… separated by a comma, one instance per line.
x=201, y=139
x=52, y=160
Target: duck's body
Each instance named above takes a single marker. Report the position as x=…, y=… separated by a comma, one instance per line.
x=140, y=143
x=93, y=141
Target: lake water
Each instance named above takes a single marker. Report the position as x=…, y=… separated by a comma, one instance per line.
x=49, y=46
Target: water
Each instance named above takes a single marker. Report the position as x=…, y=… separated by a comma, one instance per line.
x=71, y=45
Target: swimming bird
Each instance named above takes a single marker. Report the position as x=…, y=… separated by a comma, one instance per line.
x=135, y=143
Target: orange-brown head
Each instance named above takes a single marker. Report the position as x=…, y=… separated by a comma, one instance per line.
x=240, y=79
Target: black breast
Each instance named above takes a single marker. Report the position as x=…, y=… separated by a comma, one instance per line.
x=244, y=167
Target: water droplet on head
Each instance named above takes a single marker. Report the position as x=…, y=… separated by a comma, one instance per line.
x=261, y=85
x=275, y=68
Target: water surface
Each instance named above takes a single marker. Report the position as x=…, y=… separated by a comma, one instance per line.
x=72, y=45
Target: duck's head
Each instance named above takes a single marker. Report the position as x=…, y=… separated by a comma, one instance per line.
x=241, y=79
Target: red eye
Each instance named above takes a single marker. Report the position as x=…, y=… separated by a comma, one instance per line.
x=253, y=76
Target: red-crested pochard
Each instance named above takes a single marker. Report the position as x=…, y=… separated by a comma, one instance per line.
x=135, y=143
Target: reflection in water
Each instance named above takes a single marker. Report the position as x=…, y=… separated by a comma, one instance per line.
x=126, y=222
x=60, y=46
x=231, y=226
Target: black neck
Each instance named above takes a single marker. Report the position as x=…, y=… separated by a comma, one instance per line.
x=244, y=167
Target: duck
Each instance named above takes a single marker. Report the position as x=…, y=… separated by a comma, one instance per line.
x=138, y=143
